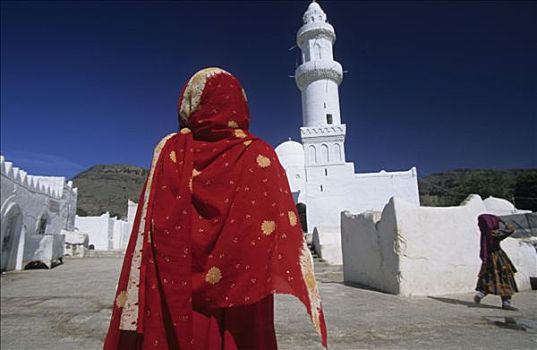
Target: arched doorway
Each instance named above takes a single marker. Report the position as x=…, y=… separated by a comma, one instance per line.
x=301, y=208
x=11, y=231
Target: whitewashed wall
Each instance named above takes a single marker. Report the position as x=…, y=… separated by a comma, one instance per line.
x=327, y=243
x=317, y=95
x=524, y=257
x=105, y=232
x=340, y=190
x=411, y=250
x=132, y=207
x=47, y=249
x=369, y=252
x=121, y=233
x=25, y=200
x=98, y=230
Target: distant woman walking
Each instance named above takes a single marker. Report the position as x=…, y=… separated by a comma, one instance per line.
x=497, y=274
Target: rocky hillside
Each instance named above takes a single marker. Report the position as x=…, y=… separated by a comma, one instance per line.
x=104, y=188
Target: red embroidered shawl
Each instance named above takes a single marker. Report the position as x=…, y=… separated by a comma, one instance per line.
x=216, y=225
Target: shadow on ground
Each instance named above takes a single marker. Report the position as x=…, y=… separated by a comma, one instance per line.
x=466, y=303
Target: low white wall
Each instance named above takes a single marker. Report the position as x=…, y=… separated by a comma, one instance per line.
x=439, y=247
x=104, y=232
x=327, y=243
x=132, y=207
x=121, y=233
x=411, y=250
x=48, y=249
x=97, y=228
x=369, y=255
x=524, y=257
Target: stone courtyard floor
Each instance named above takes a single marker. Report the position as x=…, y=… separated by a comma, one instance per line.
x=68, y=308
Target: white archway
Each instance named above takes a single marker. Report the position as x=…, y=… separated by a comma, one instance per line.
x=10, y=236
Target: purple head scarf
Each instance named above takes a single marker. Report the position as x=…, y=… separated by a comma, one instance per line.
x=486, y=223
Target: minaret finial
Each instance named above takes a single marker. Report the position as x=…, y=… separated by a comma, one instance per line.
x=314, y=13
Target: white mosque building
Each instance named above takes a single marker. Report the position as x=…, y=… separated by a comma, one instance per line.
x=319, y=175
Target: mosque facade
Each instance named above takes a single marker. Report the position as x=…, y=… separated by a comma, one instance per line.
x=319, y=175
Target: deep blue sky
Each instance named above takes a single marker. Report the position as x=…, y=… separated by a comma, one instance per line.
x=437, y=85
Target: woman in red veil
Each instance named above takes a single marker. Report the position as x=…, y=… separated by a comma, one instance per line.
x=216, y=235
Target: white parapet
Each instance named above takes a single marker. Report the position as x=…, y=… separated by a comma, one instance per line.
x=52, y=186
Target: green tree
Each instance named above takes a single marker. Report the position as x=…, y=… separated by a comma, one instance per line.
x=525, y=191
x=487, y=184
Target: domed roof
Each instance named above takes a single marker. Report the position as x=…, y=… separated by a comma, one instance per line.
x=291, y=154
x=498, y=204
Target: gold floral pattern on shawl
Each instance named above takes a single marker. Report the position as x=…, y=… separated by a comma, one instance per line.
x=306, y=266
x=292, y=218
x=121, y=299
x=247, y=143
x=213, y=276
x=195, y=172
x=194, y=89
x=239, y=133
x=173, y=157
x=232, y=124
x=185, y=131
x=263, y=161
x=129, y=314
x=267, y=227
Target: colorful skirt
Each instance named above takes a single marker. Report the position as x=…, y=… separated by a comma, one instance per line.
x=497, y=275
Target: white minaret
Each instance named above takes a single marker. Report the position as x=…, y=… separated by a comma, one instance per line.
x=318, y=78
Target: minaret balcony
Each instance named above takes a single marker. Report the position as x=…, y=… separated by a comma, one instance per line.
x=311, y=71
x=314, y=30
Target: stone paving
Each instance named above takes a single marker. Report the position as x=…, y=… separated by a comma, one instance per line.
x=68, y=308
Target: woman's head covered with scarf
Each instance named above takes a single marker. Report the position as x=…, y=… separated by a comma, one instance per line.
x=212, y=104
